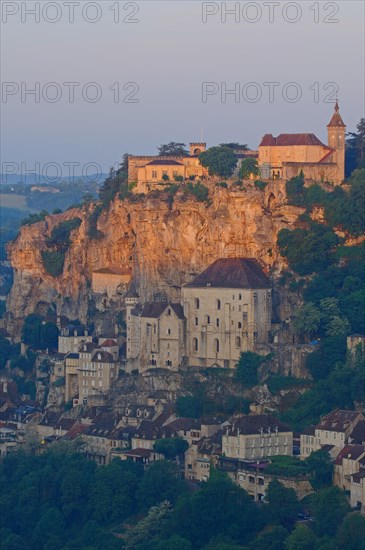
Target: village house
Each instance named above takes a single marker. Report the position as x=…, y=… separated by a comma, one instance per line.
x=228, y=311
x=287, y=155
x=71, y=338
x=201, y=455
x=334, y=429
x=251, y=475
x=255, y=437
x=350, y=461
x=357, y=490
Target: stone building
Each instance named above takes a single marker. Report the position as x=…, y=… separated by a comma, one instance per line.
x=228, y=311
x=71, y=338
x=350, y=461
x=151, y=171
x=155, y=336
x=286, y=155
x=254, y=437
x=335, y=428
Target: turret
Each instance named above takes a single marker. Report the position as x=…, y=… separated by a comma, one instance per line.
x=336, y=140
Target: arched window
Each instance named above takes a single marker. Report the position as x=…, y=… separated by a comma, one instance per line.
x=238, y=342
x=207, y=319
x=169, y=312
x=240, y=296
x=195, y=344
x=197, y=303
x=216, y=345
x=239, y=325
x=218, y=304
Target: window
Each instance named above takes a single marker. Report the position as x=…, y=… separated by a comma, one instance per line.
x=195, y=344
x=217, y=322
x=239, y=325
x=216, y=345
x=196, y=321
x=168, y=331
x=251, y=479
x=207, y=319
x=240, y=296
x=154, y=174
x=218, y=304
x=175, y=173
x=197, y=303
x=238, y=342
x=169, y=312
x=165, y=172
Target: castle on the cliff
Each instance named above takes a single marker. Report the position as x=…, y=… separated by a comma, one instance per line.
x=281, y=157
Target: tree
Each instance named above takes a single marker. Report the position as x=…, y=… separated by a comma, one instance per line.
x=173, y=149
x=355, y=148
x=149, y=527
x=159, y=483
x=220, y=161
x=321, y=466
x=188, y=406
x=284, y=504
x=249, y=166
x=308, y=320
x=170, y=447
x=329, y=506
x=272, y=539
x=351, y=533
x=247, y=368
x=235, y=146
x=301, y=538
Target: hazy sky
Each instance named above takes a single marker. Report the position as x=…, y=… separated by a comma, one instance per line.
x=169, y=53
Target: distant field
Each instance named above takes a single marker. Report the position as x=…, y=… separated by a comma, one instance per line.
x=13, y=201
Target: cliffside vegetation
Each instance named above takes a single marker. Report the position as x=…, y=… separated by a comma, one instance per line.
x=59, y=500
x=330, y=276
x=57, y=245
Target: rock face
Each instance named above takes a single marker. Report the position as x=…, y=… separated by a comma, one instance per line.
x=165, y=245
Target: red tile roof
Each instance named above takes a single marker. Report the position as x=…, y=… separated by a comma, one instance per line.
x=232, y=273
x=290, y=140
x=352, y=452
x=164, y=163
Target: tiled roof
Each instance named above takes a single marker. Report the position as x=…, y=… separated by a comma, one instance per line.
x=285, y=140
x=156, y=309
x=357, y=435
x=337, y=420
x=109, y=343
x=102, y=357
x=352, y=452
x=139, y=453
x=253, y=424
x=336, y=119
x=232, y=273
x=311, y=430
x=162, y=162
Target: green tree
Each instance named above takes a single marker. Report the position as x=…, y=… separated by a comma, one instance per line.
x=220, y=161
x=159, y=483
x=272, y=539
x=170, y=447
x=284, y=504
x=173, y=149
x=321, y=466
x=188, y=406
x=308, y=320
x=351, y=533
x=247, y=368
x=329, y=506
x=302, y=538
x=249, y=166
x=149, y=527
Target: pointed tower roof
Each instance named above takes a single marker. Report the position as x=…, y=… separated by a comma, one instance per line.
x=336, y=119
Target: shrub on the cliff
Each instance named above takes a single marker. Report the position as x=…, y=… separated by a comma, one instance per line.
x=34, y=218
x=61, y=234
x=92, y=231
x=53, y=262
x=260, y=185
x=199, y=191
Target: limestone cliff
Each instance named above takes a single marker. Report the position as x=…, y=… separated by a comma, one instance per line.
x=164, y=244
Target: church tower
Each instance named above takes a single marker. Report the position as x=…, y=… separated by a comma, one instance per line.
x=336, y=140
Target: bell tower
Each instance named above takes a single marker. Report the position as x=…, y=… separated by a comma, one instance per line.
x=336, y=140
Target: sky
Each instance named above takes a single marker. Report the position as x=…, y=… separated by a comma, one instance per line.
x=148, y=72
